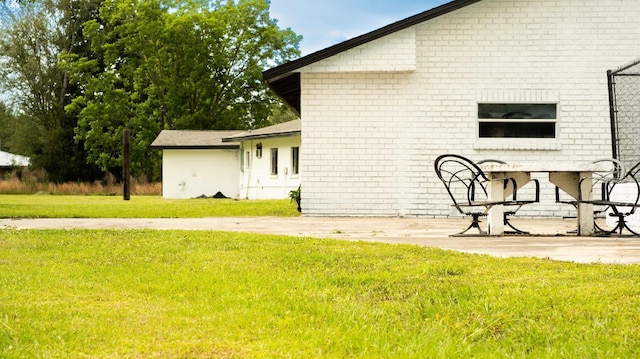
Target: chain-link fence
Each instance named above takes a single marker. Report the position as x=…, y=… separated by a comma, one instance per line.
x=624, y=97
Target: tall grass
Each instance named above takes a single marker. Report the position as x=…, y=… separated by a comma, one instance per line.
x=30, y=182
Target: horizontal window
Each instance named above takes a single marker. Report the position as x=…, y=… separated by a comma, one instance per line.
x=518, y=129
x=516, y=120
x=516, y=111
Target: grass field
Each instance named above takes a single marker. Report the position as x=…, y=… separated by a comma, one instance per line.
x=186, y=294
x=54, y=206
x=203, y=294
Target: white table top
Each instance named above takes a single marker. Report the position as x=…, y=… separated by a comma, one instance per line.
x=547, y=167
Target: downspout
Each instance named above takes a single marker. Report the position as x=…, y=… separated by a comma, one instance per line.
x=250, y=169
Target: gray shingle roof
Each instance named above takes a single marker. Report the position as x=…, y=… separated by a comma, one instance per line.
x=291, y=128
x=194, y=139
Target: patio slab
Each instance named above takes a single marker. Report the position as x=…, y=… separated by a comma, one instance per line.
x=550, y=240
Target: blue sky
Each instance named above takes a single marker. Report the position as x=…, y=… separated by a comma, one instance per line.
x=328, y=22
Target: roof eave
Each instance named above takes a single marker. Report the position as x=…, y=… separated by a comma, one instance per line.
x=286, y=69
x=263, y=136
x=195, y=147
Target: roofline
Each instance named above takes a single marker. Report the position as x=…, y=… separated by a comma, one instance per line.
x=283, y=70
x=195, y=147
x=262, y=136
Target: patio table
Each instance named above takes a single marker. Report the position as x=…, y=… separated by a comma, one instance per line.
x=566, y=176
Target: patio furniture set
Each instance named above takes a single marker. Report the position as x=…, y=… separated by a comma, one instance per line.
x=498, y=190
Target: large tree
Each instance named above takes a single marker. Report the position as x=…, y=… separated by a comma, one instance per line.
x=159, y=64
x=35, y=34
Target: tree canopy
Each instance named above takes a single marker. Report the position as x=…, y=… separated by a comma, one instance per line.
x=38, y=89
x=149, y=65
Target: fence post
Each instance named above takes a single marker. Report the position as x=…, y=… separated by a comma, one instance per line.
x=126, y=163
x=612, y=114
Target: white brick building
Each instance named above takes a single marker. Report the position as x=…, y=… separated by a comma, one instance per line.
x=378, y=109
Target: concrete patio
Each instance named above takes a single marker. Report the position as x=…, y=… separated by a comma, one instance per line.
x=550, y=240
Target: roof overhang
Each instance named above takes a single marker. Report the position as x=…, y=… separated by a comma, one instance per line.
x=285, y=79
x=196, y=147
x=260, y=137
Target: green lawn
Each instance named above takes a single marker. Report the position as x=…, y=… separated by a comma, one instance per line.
x=201, y=294
x=55, y=206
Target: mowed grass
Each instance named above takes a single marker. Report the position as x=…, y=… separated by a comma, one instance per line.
x=186, y=294
x=55, y=206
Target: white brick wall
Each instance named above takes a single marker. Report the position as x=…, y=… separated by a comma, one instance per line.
x=371, y=129
x=396, y=52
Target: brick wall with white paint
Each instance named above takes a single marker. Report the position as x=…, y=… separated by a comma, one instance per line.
x=372, y=125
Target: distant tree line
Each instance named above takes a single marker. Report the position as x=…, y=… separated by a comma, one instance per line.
x=75, y=73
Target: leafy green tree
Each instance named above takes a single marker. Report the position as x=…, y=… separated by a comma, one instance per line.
x=40, y=89
x=7, y=129
x=159, y=64
x=281, y=113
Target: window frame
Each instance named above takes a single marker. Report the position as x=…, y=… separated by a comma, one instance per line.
x=295, y=160
x=533, y=127
x=274, y=161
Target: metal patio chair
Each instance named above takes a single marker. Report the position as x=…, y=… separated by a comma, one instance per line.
x=617, y=205
x=466, y=183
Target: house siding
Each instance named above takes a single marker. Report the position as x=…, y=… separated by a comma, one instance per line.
x=197, y=172
x=393, y=53
x=256, y=180
x=371, y=135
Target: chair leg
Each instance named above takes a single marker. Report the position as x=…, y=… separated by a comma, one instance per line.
x=621, y=225
x=625, y=226
x=508, y=224
x=475, y=223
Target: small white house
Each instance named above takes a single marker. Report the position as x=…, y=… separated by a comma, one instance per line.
x=258, y=164
x=511, y=80
x=198, y=163
x=270, y=161
x=8, y=160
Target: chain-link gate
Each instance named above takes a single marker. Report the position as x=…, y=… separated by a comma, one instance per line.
x=624, y=100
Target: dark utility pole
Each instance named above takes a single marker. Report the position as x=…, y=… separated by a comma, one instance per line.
x=126, y=164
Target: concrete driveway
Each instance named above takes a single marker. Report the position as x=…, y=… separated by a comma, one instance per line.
x=550, y=239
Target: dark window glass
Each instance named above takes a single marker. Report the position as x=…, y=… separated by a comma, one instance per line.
x=295, y=161
x=518, y=129
x=516, y=111
x=274, y=161
x=517, y=120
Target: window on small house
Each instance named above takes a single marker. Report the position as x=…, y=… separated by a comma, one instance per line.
x=259, y=150
x=517, y=120
x=295, y=160
x=242, y=161
x=274, y=161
